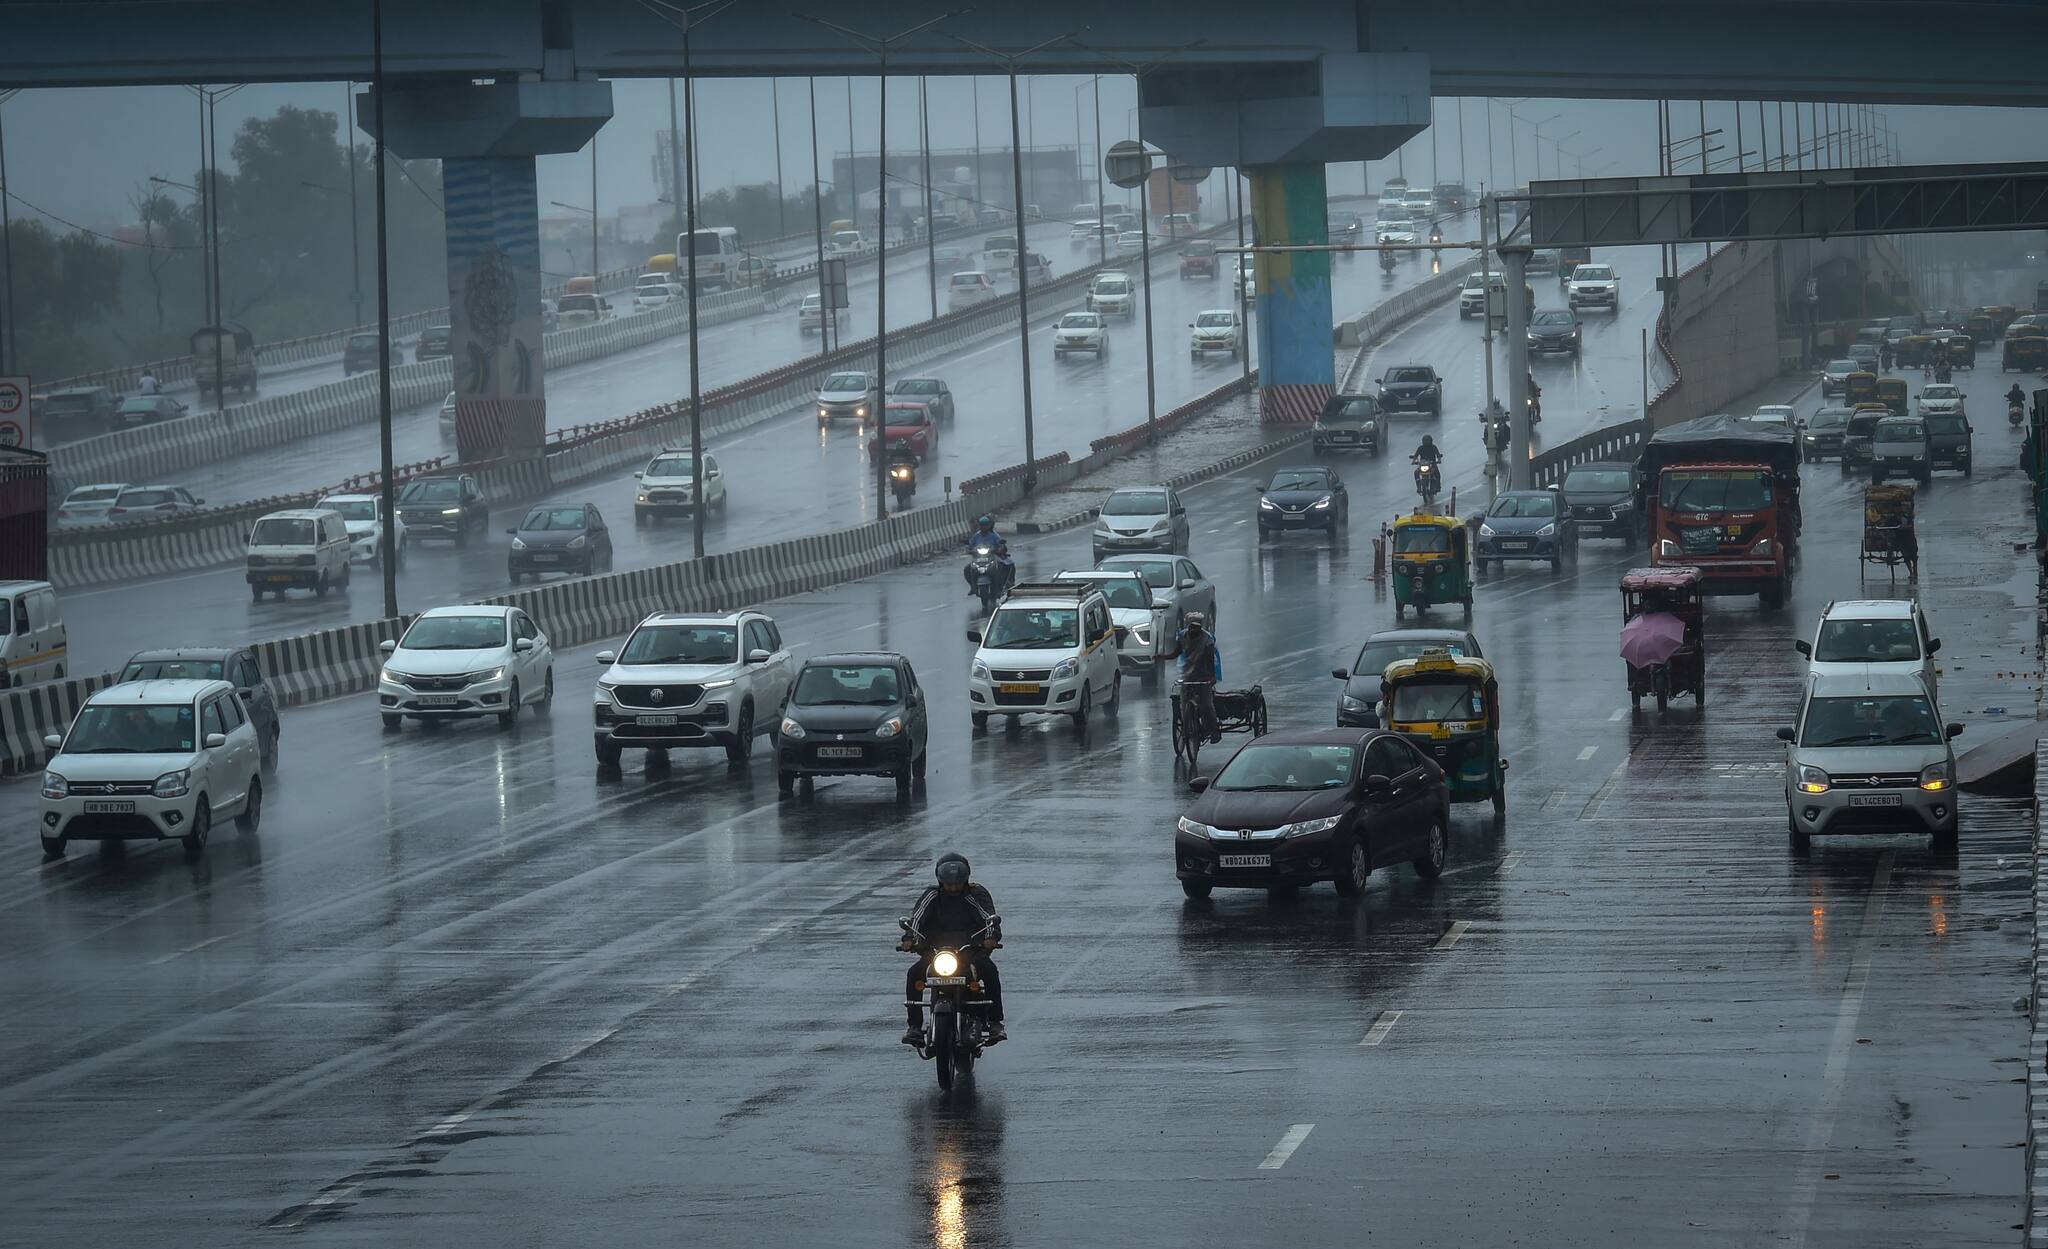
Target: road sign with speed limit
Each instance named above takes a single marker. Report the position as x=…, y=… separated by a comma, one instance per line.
x=17, y=427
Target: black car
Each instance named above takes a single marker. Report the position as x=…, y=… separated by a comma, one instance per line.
x=437, y=342
x=1292, y=809
x=359, y=354
x=1412, y=388
x=853, y=715
x=147, y=410
x=1348, y=422
x=444, y=507
x=1823, y=434
x=76, y=409
x=1358, y=705
x=215, y=663
x=1308, y=496
x=559, y=538
x=1606, y=499
x=1554, y=331
x=1855, y=445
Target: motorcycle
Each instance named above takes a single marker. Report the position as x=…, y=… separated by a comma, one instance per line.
x=955, y=1012
x=1428, y=479
x=903, y=477
x=987, y=575
x=1386, y=260
x=2015, y=412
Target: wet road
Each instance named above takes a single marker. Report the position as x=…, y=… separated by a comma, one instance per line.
x=786, y=477
x=460, y=979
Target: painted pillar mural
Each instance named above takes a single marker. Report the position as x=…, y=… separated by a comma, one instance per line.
x=494, y=290
x=1297, y=364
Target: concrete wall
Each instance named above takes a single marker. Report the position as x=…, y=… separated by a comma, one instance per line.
x=1720, y=332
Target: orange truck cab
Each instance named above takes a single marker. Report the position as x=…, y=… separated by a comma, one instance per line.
x=1724, y=498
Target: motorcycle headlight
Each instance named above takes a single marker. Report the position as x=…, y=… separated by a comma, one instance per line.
x=1667, y=549
x=791, y=729
x=889, y=727
x=1322, y=502
x=1267, y=505
x=945, y=963
x=578, y=544
x=518, y=544
x=55, y=786
x=1194, y=828
x=979, y=672
x=1485, y=530
x=1065, y=668
x=1547, y=530
x=1304, y=828
x=1812, y=780
x=172, y=784
x=1935, y=777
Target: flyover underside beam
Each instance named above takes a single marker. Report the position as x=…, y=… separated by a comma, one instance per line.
x=1718, y=208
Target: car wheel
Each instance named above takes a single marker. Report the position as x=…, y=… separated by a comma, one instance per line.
x=202, y=824
x=392, y=723
x=1351, y=875
x=922, y=762
x=547, y=694
x=608, y=754
x=256, y=593
x=785, y=783
x=53, y=847
x=511, y=712
x=271, y=746
x=1557, y=563
x=320, y=587
x=251, y=817
x=737, y=750
x=1430, y=863
x=980, y=719
x=1116, y=695
x=1197, y=890
x=1087, y=701
x=1801, y=842
x=903, y=781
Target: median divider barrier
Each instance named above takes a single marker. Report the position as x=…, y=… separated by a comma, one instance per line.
x=2037, y=1032
x=31, y=713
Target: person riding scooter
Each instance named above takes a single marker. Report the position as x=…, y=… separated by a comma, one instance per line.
x=902, y=469
x=2015, y=405
x=985, y=535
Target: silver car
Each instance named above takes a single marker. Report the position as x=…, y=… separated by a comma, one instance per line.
x=1177, y=584
x=849, y=395
x=1141, y=518
x=1869, y=754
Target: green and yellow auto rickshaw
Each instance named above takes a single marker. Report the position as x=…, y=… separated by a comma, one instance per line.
x=1448, y=707
x=1431, y=563
x=1858, y=388
x=2024, y=349
x=1891, y=392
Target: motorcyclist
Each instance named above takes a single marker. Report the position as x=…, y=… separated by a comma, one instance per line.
x=1941, y=372
x=147, y=384
x=985, y=535
x=951, y=913
x=1201, y=667
x=1535, y=400
x=2016, y=396
x=1427, y=453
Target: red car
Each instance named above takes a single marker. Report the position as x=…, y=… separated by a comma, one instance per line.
x=910, y=425
x=1198, y=259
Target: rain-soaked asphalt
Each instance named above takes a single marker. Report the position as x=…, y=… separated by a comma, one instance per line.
x=463, y=990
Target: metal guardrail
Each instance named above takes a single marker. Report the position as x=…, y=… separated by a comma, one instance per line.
x=1615, y=442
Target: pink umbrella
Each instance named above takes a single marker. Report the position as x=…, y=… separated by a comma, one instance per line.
x=1651, y=639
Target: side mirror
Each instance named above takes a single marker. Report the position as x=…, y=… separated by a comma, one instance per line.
x=522, y=645
x=1804, y=647
x=974, y=635
x=53, y=741
x=636, y=477
x=214, y=741
x=1187, y=583
x=1378, y=786
x=1198, y=784
x=1785, y=735
x=512, y=531
x=1933, y=646
x=246, y=695
x=1955, y=730
x=387, y=646
x=198, y=502
x=1341, y=674
x=607, y=658
x=757, y=656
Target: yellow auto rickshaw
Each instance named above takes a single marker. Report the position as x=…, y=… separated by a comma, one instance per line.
x=1891, y=392
x=1448, y=707
x=1431, y=563
x=1859, y=388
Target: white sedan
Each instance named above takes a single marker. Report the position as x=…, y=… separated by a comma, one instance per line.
x=1941, y=399
x=464, y=662
x=1779, y=415
x=1080, y=331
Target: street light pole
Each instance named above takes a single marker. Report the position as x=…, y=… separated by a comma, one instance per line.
x=355, y=260
x=594, y=270
x=775, y=111
x=1101, y=209
x=11, y=359
x=826, y=316
x=690, y=224
x=924, y=136
x=387, y=491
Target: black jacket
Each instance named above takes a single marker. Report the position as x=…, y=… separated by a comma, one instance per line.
x=942, y=918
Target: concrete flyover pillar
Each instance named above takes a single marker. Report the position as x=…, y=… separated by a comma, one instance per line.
x=1293, y=315
x=486, y=136
x=1281, y=124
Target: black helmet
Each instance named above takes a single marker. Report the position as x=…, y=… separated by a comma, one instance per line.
x=952, y=869
x=1428, y=441
x=985, y=520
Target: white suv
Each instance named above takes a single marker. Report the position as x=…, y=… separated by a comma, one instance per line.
x=149, y=761
x=1875, y=635
x=692, y=679
x=1593, y=286
x=1049, y=649
x=1869, y=754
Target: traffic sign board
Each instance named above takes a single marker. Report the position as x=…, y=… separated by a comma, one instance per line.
x=11, y=433
x=13, y=396
x=1127, y=163
x=1191, y=174
x=17, y=414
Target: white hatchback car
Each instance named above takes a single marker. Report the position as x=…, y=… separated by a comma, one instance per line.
x=152, y=761
x=458, y=663
x=1874, y=635
x=1112, y=294
x=1049, y=649
x=1217, y=329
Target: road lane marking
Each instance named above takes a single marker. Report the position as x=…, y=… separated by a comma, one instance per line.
x=1450, y=938
x=1381, y=1027
x=1620, y=713
x=1551, y=803
x=197, y=945
x=1820, y=1129
x=1510, y=863
x=1288, y=1144
x=1588, y=753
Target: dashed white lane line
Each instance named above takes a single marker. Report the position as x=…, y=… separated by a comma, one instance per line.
x=1450, y=938
x=1290, y=1142
x=1381, y=1027
x=1620, y=713
x=1510, y=863
x=1588, y=753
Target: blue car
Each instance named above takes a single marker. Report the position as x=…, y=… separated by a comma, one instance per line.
x=1527, y=524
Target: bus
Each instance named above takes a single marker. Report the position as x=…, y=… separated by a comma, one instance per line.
x=715, y=257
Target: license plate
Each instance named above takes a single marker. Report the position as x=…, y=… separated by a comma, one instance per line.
x=279, y=576
x=110, y=808
x=1514, y=546
x=945, y=981
x=1875, y=800
x=436, y=700
x=545, y=559
x=1014, y=687
x=1130, y=541
x=838, y=752
x=1246, y=860
x=654, y=722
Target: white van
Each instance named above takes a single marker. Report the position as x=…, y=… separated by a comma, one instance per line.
x=303, y=547
x=33, y=648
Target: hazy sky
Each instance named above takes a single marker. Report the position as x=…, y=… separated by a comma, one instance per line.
x=79, y=153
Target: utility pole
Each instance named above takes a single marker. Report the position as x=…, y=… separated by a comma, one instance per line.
x=828, y=318
x=781, y=201
x=355, y=259
x=594, y=270
x=1101, y=209
x=924, y=138
x=387, y=490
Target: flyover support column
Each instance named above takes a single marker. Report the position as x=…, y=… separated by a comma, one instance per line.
x=1297, y=367
x=1514, y=265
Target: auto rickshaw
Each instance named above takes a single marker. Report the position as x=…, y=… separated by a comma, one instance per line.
x=1432, y=563
x=1449, y=709
x=1662, y=634
x=1911, y=350
x=1859, y=388
x=1891, y=392
x=2025, y=349
x=1981, y=329
x=2001, y=316
x=1960, y=350
x=233, y=346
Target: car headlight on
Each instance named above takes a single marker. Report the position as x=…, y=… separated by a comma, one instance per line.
x=1322, y=502
x=451, y=511
x=1304, y=828
x=55, y=786
x=485, y=674
x=791, y=729
x=1935, y=777
x=1547, y=530
x=1065, y=668
x=719, y=685
x=640, y=498
x=578, y=544
x=1267, y=505
x=945, y=963
x=1485, y=530
x=518, y=544
x=889, y=727
x=172, y=784
x=1812, y=780
x=823, y=410
x=862, y=410
x=979, y=671
x=1194, y=828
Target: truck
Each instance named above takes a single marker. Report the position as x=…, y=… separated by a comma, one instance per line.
x=1166, y=196
x=1724, y=498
